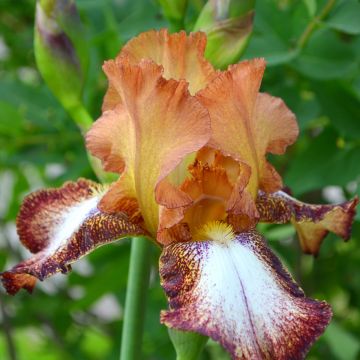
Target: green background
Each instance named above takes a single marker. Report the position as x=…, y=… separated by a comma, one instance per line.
x=79, y=316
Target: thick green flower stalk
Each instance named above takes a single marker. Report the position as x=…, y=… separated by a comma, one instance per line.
x=228, y=25
x=62, y=55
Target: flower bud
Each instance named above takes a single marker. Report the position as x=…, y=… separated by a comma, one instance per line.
x=60, y=50
x=228, y=25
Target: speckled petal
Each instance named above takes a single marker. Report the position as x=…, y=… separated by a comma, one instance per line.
x=60, y=226
x=239, y=294
x=312, y=222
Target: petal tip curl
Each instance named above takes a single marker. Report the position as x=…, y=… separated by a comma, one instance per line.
x=62, y=225
x=13, y=282
x=312, y=222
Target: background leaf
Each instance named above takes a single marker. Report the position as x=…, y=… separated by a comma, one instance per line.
x=80, y=316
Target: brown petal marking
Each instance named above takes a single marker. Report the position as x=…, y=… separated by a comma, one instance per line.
x=240, y=295
x=312, y=222
x=60, y=226
x=177, y=233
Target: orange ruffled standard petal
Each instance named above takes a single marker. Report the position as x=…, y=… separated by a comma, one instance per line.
x=62, y=225
x=246, y=125
x=153, y=128
x=312, y=222
x=235, y=290
x=181, y=55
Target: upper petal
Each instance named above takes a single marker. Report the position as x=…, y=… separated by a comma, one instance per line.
x=154, y=127
x=181, y=55
x=238, y=293
x=61, y=225
x=312, y=222
x=246, y=124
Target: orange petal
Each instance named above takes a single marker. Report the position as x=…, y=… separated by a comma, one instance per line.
x=246, y=125
x=181, y=55
x=240, y=207
x=209, y=190
x=62, y=225
x=151, y=131
x=180, y=232
x=117, y=198
x=312, y=222
x=235, y=290
x=245, y=216
x=111, y=98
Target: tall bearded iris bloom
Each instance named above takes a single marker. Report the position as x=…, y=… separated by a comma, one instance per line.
x=190, y=145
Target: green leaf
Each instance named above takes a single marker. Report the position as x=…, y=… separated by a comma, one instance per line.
x=343, y=344
x=11, y=120
x=174, y=11
x=273, y=37
x=326, y=57
x=311, y=7
x=340, y=104
x=280, y=232
x=323, y=163
x=346, y=18
x=188, y=345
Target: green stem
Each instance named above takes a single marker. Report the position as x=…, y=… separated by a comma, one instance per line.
x=135, y=303
x=304, y=38
x=81, y=117
x=7, y=331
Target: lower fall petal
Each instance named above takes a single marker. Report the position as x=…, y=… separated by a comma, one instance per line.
x=238, y=293
x=312, y=222
x=62, y=225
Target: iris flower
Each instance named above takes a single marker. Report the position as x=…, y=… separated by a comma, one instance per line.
x=190, y=143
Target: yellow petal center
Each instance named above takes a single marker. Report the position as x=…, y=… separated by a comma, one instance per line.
x=217, y=231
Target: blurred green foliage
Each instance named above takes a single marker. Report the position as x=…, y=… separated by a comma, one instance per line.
x=313, y=64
